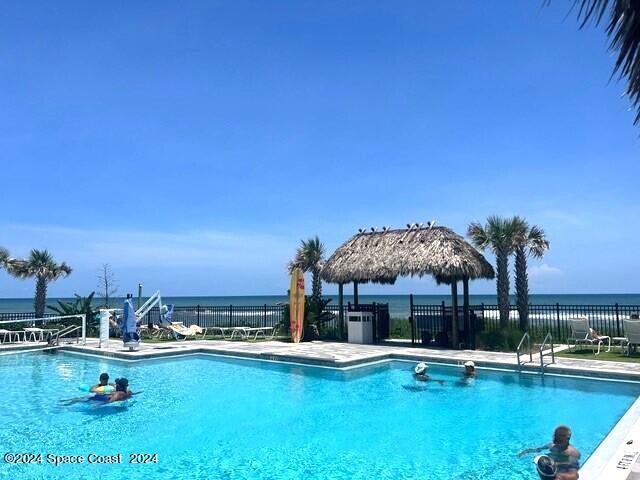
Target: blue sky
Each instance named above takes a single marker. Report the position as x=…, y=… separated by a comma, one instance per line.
x=192, y=145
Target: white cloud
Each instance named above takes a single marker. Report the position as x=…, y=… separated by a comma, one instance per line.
x=544, y=271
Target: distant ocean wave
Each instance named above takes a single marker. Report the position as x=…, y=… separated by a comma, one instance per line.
x=398, y=304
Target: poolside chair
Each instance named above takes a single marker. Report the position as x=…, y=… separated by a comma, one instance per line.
x=631, y=333
x=581, y=332
x=180, y=332
x=11, y=334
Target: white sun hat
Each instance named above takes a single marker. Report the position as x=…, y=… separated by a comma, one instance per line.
x=421, y=368
x=469, y=363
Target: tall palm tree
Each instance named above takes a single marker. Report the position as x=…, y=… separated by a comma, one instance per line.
x=497, y=235
x=310, y=257
x=623, y=30
x=530, y=240
x=5, y=258
x=41, y=266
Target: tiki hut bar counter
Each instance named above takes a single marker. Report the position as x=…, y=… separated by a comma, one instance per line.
x=381, y=256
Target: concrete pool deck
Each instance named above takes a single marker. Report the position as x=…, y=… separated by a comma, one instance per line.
x=613, y=459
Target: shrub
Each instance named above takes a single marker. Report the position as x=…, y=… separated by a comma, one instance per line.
x=504, y=340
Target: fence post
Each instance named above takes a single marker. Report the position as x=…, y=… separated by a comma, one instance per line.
x=231, y=315
x=264, y=318
x=411, y=320
x=617, y=320
x=374, y=325
x=198, y=312
x=558, y=320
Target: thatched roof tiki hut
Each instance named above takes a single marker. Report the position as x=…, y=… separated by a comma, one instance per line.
x=381, y=256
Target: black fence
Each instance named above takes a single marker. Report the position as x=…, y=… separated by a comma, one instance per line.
x=428, y=321
x=223, y=316
x=271, y=316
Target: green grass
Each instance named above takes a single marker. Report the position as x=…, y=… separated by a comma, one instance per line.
x=613, y=356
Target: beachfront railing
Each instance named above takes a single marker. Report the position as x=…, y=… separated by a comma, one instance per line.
x=429, y=320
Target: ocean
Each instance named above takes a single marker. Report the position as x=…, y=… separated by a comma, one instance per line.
x=398, y=304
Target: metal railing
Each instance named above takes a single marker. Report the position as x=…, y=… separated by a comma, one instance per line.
x=33, y=321
x=547, y=338
x=518, y=350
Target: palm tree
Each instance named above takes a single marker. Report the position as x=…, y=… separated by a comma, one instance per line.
x=530, y=240
x=623, y=30
x=5, y=258
x=310, y=257
x=41, y=266
x=497, y=235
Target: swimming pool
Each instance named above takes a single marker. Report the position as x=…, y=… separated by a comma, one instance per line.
x=209, y=417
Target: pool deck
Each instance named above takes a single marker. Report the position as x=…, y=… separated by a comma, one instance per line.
x=613, y=459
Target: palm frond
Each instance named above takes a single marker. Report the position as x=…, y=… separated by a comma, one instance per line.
x=623, y=30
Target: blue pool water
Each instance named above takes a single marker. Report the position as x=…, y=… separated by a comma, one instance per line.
x=214, y=418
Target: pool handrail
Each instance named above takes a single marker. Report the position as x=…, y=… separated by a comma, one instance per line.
x=548, y=337
x=528, y=339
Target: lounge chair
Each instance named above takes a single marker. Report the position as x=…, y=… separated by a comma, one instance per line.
x=15, y=334
x=180, y=332
x=581, y=332
x=631, y=333
x=246, y=332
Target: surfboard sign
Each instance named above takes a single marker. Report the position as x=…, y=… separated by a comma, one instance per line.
x=296, y=305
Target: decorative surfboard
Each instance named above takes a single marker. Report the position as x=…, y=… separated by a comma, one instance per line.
x=296, y=305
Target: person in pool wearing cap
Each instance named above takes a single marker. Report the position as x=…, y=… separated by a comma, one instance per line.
x=562, y=462
x=420, y=372
x=469, y=369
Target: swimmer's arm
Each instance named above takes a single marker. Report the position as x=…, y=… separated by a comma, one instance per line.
x=532, y=450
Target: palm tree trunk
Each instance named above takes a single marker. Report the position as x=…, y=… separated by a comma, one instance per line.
x=522, y=288
x=41, y=296
x=316, y=284
x=502, y=282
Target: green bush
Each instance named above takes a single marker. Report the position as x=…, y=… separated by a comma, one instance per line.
x=400, y=328
x=505, y=340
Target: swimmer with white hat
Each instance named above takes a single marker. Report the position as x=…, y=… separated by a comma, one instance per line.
x=421, y=372
x=469, y=369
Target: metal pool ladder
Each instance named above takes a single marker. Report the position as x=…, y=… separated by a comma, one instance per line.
x=549, y=339
x=520, y=345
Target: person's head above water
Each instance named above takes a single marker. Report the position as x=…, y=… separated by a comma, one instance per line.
x=469, y=367
x=421, y=368
x=562, y=435
x=104, y=378
x=122, y=384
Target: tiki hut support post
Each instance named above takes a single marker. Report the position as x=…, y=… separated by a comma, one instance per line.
x=454, y=314
x=355, y=294
x=341, y=308
x=469, y=332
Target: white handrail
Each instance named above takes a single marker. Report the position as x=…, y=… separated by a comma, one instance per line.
x=58, y=317
x=528, y=339
x=553, y=355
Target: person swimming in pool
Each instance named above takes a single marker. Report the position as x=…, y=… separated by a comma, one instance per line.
x=122, y=391
x=420, y=372
x=469, y=369
x=102, y=382
x=564, y=458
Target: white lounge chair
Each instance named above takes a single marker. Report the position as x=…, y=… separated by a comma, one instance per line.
x=246, y=332
x=631, y=333
x=11, y=335
x=179, y=330
x=581, y=332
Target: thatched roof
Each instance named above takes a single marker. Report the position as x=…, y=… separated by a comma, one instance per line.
x=382, y=256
